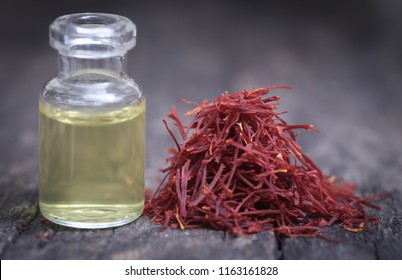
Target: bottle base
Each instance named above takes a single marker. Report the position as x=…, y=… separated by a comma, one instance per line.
x=90, y=217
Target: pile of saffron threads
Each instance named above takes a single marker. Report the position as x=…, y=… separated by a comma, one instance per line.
x=239, y=169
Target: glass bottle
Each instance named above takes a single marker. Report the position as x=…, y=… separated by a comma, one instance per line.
x=92, y=126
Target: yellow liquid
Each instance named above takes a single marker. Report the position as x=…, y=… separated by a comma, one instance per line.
x=92, y=166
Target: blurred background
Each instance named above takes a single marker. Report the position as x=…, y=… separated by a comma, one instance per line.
x=343, y=60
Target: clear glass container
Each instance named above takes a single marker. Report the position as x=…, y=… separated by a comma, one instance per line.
x=92, y=126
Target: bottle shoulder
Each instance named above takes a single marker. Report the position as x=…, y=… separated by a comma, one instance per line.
x=91, y=92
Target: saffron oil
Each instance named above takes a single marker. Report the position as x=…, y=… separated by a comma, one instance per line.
x=92, y=126
x=92, y=165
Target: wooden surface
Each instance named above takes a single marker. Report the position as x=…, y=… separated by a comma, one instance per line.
x=346, y=83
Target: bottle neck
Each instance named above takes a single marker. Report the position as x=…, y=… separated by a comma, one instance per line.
x=70, y=67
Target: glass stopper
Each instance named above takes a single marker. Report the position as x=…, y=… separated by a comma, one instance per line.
x=90, y=35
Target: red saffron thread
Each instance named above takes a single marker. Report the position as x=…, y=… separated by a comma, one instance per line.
x=22, y=228
x=240, y=169
x=43, y=236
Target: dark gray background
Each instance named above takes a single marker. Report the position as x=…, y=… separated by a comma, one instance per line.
x=343, y=60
